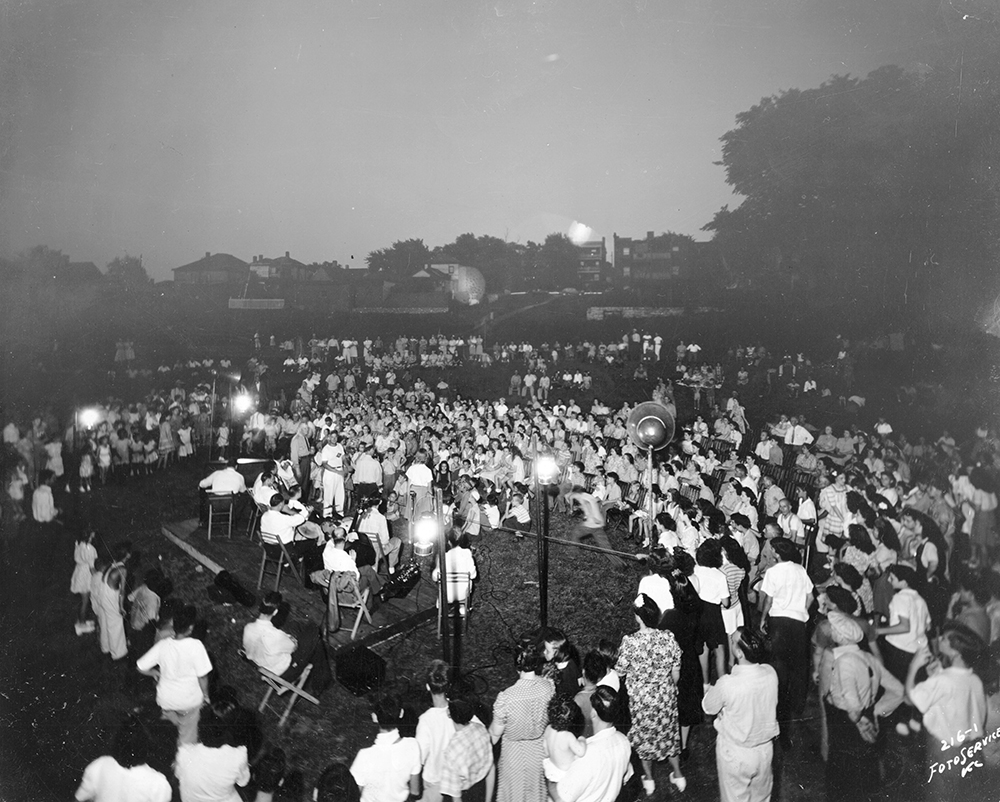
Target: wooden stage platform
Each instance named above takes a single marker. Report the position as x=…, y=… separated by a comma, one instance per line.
x=241, y=556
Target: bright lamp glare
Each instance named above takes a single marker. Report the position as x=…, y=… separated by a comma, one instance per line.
x=425, y=529
x=89, y=418
x=242, y=403
x=547, y=469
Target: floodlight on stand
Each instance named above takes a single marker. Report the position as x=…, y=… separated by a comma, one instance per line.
x=426, y=531
x=242, y=403
x=547, y=469
x=89, y=417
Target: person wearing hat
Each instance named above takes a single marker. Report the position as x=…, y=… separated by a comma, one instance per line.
x=852, y=766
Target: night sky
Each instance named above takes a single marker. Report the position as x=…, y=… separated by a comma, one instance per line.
x=330, y=128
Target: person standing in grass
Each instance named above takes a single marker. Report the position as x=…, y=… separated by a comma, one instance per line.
x=180, y=665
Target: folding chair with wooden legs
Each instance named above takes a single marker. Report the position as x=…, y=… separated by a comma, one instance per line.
x=274, y=554
x=343, y=591
x=296, y=690
x=220, y=508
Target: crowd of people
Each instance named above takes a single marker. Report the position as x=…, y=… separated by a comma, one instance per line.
x=779, y=561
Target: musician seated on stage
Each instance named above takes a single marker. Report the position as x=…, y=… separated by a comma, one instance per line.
x=280, y=653
x=372, y=522
x=288, y=522
x=336, y=558
x=223, y=480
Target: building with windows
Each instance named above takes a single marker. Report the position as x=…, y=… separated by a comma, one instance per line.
x=593, y=269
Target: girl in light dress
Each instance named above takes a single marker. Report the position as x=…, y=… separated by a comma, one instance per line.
x=84, y=555
x=104, y=458
x=86, y=468
x=53, y=457
x=137, y=453
x=563, y=738
x=186, y=447
x=222, y=440
x=149, y=450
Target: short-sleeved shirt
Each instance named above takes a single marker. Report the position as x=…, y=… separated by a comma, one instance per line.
x=105, y=779
x=208, y=774
x=181, y=663
x=788, y=585
x=951, y=701
x=909, y=604
x=713, y=587
x=383, y=771
x=468, y=758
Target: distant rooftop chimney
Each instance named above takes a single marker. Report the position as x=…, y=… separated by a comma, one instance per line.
x=650, y=234
x=207, y=254
x=286, y=255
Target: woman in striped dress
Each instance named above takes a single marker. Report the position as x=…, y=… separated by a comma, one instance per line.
x=520, y=715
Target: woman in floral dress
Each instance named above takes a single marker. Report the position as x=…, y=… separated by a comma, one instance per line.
x=650, y=663
x=520, y=715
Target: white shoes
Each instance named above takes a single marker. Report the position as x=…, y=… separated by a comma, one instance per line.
x=680, y=783
x=648, y=785
x=85, y=627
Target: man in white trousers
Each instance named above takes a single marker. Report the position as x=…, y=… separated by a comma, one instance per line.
x=331, y=463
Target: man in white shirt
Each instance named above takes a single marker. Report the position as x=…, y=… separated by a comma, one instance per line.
x=181, y=667
x=331, y=463
x=797, y=434
x=786, y=596
x=790, y=524
x=374, y=524
x=279, y=524
x=300, y=454
x=599, y=774
x=388, y=771
x=772, y=495
x=275, y=650
x=367, y=473
x=419, y=477
x=224, y=480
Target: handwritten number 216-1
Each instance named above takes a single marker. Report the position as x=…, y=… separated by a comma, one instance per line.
x=960, y=737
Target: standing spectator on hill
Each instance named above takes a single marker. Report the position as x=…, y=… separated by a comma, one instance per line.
x=599, y=774
x=389, y=770
x=467, y=770
x=786, y=596
x=744, y=703
x=435, y=729
x=181, y=667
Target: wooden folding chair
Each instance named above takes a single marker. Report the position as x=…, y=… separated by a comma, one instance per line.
x=256, y=511
x=459, y=593
x=274, y=554
x=275, y=684
x=220, y=508
x=343, y=592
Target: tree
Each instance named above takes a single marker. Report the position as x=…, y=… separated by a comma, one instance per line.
x=559, y=262
x=401, y=260
x=128, y=273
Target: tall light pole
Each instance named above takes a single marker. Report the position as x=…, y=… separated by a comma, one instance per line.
x=428, y=532
x=546, y=473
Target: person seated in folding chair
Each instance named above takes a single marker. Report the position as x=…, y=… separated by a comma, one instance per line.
x=337, y=559
x=264, y=486
x=224, y=480
x=280, y=653
x=373, y=523
x=285, y=525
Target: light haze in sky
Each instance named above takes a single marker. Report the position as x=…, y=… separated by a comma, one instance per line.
x=332, y=128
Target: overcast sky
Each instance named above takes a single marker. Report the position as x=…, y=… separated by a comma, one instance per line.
x=331, y=128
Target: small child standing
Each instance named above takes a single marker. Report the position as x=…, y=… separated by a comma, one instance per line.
x=145, y=612
x=86, y=469
x=222, y=441
x=104, y=458
x=84, y=555
x=563, y=739
x=137, y=453
x=149, y=449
